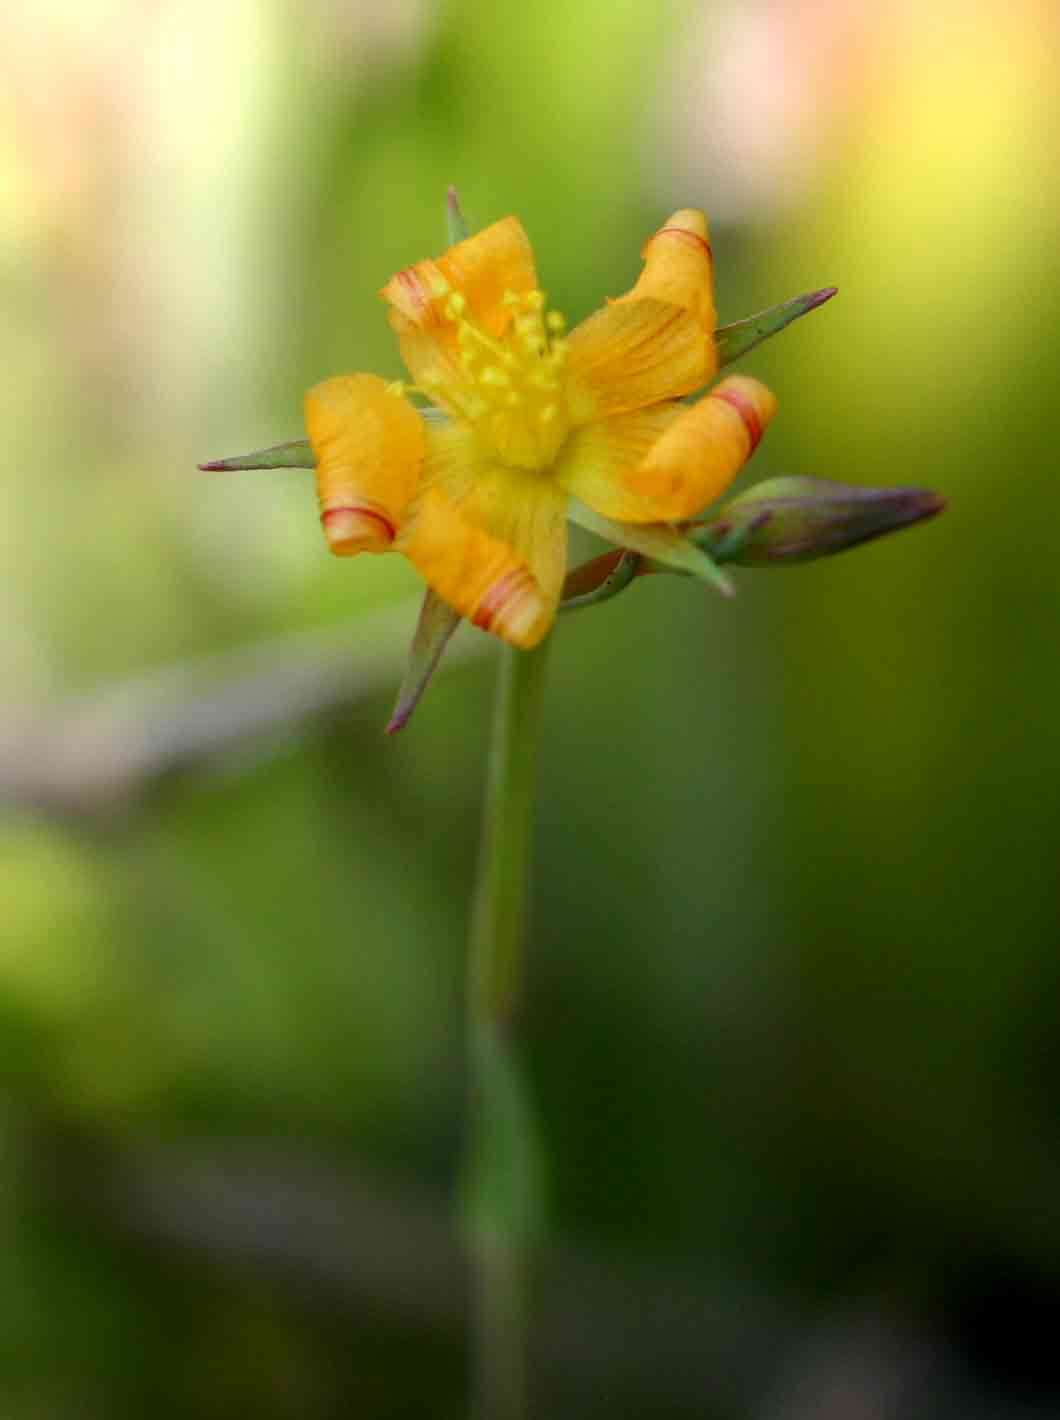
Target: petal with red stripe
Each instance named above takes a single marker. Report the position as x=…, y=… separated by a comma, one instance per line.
x=490, y=540
x=700, y=454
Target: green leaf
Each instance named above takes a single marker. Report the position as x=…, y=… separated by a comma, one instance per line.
x=743, y=335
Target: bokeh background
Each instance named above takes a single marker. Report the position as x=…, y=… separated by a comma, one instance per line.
x=793, y=1008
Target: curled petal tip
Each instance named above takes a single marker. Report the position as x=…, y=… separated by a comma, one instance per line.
x=353, y=530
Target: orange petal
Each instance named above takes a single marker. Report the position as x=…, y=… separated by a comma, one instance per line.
x=432, y=359
x=481, y=269
x=702, y=451
x=594, y=461
x=679, y=268
x=490, y=540
x=368, y=442
x=632, y=354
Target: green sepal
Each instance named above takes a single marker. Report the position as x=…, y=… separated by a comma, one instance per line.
x=436, y=624
x=617, y=580
x=726, y=542
x=296, y=454
x=737, y=339
x=662, y=543
x=456, y=222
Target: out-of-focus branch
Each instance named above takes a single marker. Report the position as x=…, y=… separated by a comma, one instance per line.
x=102, y=752
x=341, y=1238
x=652, y=1338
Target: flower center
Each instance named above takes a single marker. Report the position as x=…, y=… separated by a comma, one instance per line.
x=512, y=393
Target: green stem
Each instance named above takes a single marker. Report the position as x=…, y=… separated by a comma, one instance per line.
x=503, y=1170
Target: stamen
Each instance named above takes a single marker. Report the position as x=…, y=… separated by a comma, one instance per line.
x=510, y=385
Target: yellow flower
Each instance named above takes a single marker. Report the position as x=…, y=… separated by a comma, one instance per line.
x=537, y=423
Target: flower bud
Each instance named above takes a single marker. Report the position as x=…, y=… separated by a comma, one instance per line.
x=798, y=519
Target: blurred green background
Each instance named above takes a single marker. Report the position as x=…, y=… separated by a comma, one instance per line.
x=793, y=1011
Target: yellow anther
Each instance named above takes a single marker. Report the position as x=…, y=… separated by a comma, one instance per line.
x=510, y=385
x=397, y=388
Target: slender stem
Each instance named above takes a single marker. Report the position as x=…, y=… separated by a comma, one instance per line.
x=503, y=1170
x=500, y=894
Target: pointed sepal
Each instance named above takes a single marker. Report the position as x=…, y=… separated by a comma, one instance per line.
x=296, y=454
x=436, y=625
x=456, y=222
x=658, y=541
x=599, y=580
x=737, y=339
x=798, y=519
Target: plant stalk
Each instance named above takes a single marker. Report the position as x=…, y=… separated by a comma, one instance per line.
x=503, y=1166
